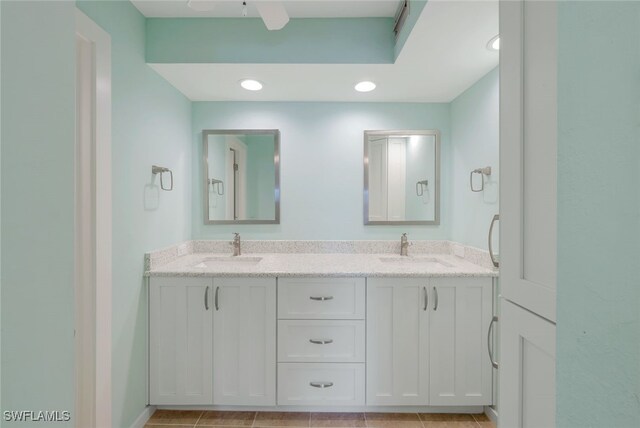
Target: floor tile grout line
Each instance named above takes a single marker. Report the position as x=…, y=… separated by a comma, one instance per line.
x=255, y=416
x=199, y=417
x=155, y=424
x=476, y=420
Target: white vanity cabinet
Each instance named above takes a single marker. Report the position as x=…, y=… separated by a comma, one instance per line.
x=397, y=342
x=180, y=341
x=321, y=341
x=212, y=341
x=426, y=341
x=459, y=316
x=244, y=346
x=340, y=341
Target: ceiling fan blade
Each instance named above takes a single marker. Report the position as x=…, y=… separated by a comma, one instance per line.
x=273, y=14
x=201, y=5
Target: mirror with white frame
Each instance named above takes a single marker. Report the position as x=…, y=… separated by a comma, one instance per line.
x=241, y=176
x=402, y=177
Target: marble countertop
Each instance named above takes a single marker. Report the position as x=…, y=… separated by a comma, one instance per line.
x=320, y=265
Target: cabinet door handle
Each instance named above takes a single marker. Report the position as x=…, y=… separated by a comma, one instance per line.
x=435, y=299
x=495, y=261
x=321, y=384
x=216, y=298
x=206, y=298
x=321, y=341
x=321, y=298
x=489, y=344
x=426, y=298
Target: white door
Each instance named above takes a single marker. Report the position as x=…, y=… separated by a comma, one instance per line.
x=460, y=313
x=244, y=335
x=397, y=178
x=528, y=213
x=378, y=180
x=528, y=151
x=180, y=341
x=397, y=342
x=527, y=369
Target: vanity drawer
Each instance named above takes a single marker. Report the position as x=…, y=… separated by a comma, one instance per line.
x=321, y=298
x=331, y=384
x=305, y=341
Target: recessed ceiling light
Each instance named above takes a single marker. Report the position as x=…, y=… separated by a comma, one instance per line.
x=365, y=86
x=251, y=85
x=494, y=43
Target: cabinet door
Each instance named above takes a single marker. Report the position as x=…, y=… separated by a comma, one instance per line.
x=527, y=369
x=397, y=342
x=459, y=317
x=244, y=357
x=180, y=341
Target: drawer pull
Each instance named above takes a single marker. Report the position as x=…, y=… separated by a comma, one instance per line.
x=489, y=344
x=321, y=298
x=321, y=341
x=321, y=384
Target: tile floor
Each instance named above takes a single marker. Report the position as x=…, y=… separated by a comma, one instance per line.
x=197, y=418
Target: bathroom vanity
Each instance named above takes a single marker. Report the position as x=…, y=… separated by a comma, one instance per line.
x=298, y=324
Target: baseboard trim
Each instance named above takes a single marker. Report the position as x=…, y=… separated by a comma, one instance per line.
x=144, y=417
x=491, y=414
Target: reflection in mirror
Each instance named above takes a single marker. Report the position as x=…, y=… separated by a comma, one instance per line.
x=242, y=176
x=401, y=177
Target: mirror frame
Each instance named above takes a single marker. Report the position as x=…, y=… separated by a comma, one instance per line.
x=429, y=132
x=276, y=164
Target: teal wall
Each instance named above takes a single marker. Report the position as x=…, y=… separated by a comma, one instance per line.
x=38, y=132
x=475, y=144
x=598, y=301
x=247, y=40
x=1, y=408
x=321, y=165
x=301, y=41
x=151, y=125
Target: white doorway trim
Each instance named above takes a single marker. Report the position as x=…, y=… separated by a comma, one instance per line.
x=93, y=272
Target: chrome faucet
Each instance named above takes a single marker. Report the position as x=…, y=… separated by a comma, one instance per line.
x=404, y=245
x=236, y=244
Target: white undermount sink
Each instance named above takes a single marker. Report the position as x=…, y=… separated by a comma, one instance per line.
x=411, y=260
x=228, y=261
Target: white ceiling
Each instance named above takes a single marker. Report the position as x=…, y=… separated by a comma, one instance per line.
x=295, y=8
x=445, y=54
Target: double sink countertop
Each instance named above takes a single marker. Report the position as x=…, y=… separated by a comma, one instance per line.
x=319, y=259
